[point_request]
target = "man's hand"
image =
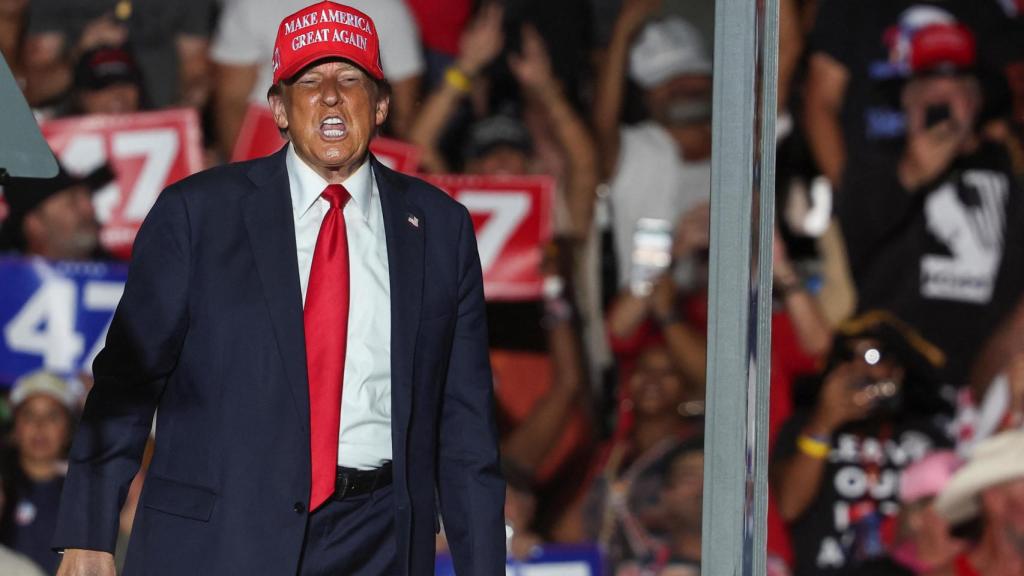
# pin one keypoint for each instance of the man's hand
(841, 400)
(533, 67)
(930, 150)
(929, 153)
(78, 562)
(482, 40)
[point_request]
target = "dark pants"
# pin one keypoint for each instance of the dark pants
(353, 537)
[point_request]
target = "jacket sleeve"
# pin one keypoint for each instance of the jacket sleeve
(140, 352)
(470, 485)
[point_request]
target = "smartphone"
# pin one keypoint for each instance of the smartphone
(651, 255)
(936, 114)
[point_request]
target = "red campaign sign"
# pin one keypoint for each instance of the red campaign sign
(512, 218)
(259, 137)
(395, 154)
(147, 151)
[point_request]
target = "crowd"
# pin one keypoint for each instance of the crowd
(897, 382)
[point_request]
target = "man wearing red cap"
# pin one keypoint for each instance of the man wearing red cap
(311, 327)
(933, 231)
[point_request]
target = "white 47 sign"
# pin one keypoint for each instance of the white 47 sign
(55, 316)
(146, 151)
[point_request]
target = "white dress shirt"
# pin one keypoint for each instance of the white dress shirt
(364, 440)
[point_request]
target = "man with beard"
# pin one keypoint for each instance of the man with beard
(661, 167)
(989, 490)
(53, 218)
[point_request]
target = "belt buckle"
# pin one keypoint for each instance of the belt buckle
(342, 487)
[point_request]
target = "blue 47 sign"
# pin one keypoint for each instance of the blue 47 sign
(55, 315)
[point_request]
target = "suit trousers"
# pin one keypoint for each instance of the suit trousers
(352, 537)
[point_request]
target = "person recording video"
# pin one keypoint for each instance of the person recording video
(930, 231)
(837, 461)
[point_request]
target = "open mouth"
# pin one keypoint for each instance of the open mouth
(333, 128)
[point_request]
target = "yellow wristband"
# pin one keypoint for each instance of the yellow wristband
(457, 79)
(813, 447)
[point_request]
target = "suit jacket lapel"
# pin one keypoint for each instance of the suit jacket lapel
(404, 227)
(271, 228)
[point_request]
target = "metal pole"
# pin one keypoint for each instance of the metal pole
(742, 217)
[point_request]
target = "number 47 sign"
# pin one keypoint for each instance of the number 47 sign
(55, 315)
(148, 151)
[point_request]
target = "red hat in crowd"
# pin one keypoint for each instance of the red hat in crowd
(942, 48)
(927, 40)
(326, 30)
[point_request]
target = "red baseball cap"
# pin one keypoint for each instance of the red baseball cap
(325, 30)
(942, 48)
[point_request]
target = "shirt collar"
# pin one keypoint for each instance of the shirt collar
(307, 185)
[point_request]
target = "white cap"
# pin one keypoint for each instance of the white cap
(994, 461)
(667, 48)
(42, 382)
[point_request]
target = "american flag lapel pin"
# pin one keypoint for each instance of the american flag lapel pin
(413, 221)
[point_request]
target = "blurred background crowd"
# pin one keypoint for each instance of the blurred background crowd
(897, 366)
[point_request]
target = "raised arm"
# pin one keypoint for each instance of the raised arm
(812, 328)
(193, 70)
(529, 444)
(232, 85)
(797, 476)
(611, 79)
(826, 90)
(533, 71)
(481, 42)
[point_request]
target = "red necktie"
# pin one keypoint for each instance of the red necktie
(325, 318)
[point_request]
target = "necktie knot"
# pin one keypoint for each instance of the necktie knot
(336, 195)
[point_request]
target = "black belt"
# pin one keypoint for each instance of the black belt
(351, 482)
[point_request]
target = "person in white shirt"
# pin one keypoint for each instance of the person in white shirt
(659, 168)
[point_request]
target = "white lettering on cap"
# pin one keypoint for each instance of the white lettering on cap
(345, 19)
(301, 22)
(351, 38)
(314, 37)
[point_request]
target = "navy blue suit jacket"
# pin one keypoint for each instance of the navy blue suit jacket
(209, 334)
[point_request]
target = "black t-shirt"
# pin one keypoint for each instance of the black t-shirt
(843, 527)
(883, 567)
(30, 518)
(946, 259)
(855, 33)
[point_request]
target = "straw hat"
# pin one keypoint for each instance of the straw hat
(997, 460)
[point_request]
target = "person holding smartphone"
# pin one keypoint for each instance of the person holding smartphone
(837, 461)
(933, 232)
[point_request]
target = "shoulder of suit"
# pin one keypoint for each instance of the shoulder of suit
(219, 180)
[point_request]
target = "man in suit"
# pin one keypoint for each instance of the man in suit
(310, 329)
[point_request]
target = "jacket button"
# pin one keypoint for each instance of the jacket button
(299, 508)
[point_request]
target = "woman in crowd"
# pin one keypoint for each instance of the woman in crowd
(623, 511)
(43, 415)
